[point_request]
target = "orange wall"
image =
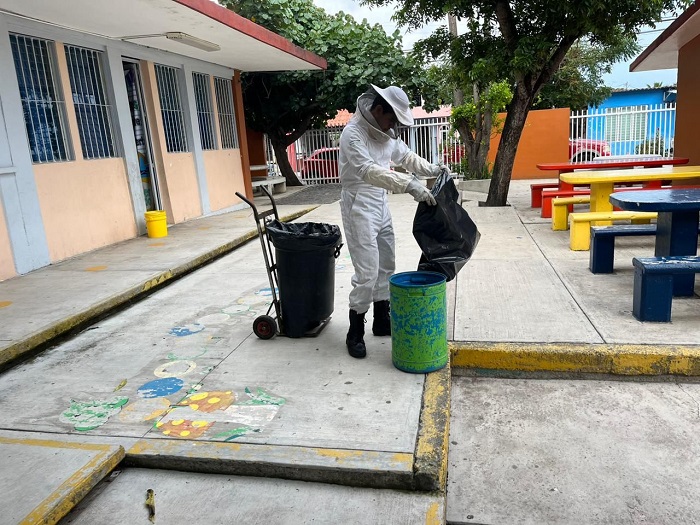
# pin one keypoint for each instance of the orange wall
(686, 143)
(7, 265)
(84, 204)
(224, 177)
(545, 138)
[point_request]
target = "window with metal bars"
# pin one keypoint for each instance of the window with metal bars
(42, 101)
(626, 123)
(171, 109)
(227, 117)
(205, 113)
(92, 109)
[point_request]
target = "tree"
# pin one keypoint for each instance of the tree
(285, 105)
(527, 41)
(578, 83)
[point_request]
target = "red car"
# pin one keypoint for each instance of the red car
(584, 150)
(321, 166)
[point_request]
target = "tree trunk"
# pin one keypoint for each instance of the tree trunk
(485, 138)
(512, 129)
(280, 149)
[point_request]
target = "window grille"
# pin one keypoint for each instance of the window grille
(171, 109)
(205, 113)
(42, 102)
(227, 117)
(625, 123)
(92, 109)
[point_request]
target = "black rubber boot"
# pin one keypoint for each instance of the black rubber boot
(355, 339)
(382, 319)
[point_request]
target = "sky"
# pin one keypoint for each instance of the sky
(620, 77)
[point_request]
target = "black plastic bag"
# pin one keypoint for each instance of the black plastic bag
(303, 236)
(445, 233)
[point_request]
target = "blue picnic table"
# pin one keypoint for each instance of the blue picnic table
(671, 272)
(676, 228)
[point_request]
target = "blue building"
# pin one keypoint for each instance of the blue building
(635, 121)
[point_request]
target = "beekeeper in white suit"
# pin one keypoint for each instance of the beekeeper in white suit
(367, 146)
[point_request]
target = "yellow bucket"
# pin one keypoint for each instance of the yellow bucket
(156, 224)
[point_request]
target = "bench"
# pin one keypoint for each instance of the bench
(561, 207)
(549, 196)
(536, 192)
(602, 257)
(653, 284)
(273, 184)
(580, 234)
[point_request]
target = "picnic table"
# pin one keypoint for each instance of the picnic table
(602, 182)
(676, 226)
(613, 163)
(609, 163)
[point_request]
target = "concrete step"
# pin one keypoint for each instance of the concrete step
(55, 475)
(186, 498)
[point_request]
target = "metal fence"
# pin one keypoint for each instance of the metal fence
(627, 131)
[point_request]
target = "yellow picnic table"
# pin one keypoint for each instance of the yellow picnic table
(602, 182)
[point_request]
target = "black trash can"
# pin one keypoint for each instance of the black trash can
(305, 255)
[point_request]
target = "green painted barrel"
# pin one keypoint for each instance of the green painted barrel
(418, 321)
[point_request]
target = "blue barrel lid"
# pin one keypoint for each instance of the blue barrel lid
(416, 279)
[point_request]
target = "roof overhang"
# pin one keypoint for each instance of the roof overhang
(242, 44)
(662, 53)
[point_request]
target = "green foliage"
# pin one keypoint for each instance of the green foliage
(462, 169)
(283, 105)
(524, 42)
(653, 145)
(494, 100)
(578, 83)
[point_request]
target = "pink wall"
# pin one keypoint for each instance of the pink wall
(84, 205)
(182, 202)
(177, 179)
(223, 168)
(224, 177)
(7, 265)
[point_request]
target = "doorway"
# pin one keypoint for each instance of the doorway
(142, 135)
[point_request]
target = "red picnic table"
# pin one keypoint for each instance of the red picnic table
(600, 163)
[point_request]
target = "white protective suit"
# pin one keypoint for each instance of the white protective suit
(363, 163)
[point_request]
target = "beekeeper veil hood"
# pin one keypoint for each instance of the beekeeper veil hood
(398, 100)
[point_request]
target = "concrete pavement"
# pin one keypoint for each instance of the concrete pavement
(301, 409)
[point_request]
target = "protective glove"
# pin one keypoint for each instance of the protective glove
(420, 193)
(445, 169)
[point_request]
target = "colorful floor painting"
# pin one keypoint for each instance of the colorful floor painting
(173, 402)
(246, 308)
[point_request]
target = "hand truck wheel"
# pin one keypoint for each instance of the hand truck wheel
(265, 327)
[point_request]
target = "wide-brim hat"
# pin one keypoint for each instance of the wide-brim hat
(398, 100)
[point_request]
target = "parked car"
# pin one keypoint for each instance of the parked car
(321, 166)
(584, 150)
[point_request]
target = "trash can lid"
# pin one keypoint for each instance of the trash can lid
(303, 236)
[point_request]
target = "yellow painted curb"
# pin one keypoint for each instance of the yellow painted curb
(430, 462)
(589, 358)
(70, 492)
